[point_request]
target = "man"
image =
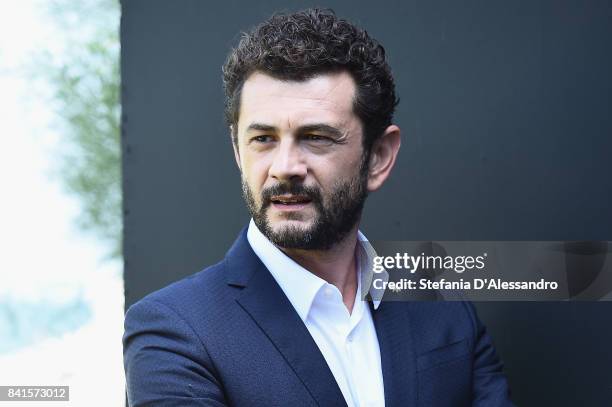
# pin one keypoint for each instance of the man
(280, 320)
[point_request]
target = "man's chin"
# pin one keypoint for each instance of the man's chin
(290, 234)
(290, 226)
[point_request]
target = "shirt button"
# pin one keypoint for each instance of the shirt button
(350, 338)
(328, 292)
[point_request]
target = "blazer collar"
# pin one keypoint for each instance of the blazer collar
(268, 306)
(241, 261)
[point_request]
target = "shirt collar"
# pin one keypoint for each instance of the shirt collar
(300, 285)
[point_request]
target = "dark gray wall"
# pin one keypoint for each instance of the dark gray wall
(505, 110)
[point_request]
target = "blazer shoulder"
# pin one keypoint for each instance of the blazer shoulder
(164, 345)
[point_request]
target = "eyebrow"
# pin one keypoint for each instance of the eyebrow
(260, 127)
(309, 128)
(321, 128)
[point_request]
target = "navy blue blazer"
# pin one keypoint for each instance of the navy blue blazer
(228, 335)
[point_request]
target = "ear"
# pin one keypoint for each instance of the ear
(234, 139)
(382, 157)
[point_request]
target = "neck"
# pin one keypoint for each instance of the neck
(337, 265)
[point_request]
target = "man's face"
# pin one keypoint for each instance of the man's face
(299, 148)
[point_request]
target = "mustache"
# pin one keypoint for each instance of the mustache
(293, 188)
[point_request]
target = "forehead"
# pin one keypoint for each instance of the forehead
(322, 98)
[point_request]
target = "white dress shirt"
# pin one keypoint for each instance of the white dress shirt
(347, 341)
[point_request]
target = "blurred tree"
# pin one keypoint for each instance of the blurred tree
(86, 93)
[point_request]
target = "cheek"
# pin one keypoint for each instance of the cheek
(339, 169)
(254, 171)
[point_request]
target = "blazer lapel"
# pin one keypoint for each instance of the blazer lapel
(263, 299)
(396, 353)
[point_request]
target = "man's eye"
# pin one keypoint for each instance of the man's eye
(315, 137)
(262, 139)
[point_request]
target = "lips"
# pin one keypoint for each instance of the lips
(290, 199)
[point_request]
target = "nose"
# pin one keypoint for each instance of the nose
(288, 162)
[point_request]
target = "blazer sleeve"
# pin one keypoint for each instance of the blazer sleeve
(489, 384)
(165, 361)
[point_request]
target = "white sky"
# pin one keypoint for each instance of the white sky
(40, 248)
(42, 253)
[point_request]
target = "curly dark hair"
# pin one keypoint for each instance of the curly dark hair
(301, 45)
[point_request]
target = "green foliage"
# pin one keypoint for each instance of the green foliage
(86, 92)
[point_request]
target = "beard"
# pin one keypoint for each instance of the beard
(335, 214)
